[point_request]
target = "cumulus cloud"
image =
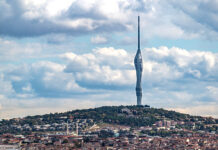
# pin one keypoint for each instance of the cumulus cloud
(10, 50)
(29, 18)
(203, 13)
(196, 64)
(102, 68)
(109, 68)
(45, 79)
(165, 69)
(50, 62)
(19, 51)
(172, 77)
(98, 39)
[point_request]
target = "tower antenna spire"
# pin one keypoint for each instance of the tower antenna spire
(138, 32)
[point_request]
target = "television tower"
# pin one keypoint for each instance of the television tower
(139, 68)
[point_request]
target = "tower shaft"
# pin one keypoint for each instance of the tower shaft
(139, 68)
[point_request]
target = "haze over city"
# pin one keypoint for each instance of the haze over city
(57, 55)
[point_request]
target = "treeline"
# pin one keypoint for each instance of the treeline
(134, 116)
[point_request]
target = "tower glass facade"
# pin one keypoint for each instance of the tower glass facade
(139, 68)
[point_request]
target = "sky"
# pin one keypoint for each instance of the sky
(57, 55)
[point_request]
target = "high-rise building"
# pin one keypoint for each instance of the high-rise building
(139, 68)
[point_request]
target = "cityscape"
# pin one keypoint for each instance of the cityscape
(108, 75)
(122, 127)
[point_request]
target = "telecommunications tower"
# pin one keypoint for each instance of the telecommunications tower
(139, 68)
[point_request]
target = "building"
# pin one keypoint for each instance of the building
(9, 147)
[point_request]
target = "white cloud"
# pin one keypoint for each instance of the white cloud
(198, 64)
(111, 52)
(14, 51)
(52, 78)
(98, 39)
(209, 110)
(32, 69)
(109, 68)
(213, 91)
(5, 86)
(27, 88)
(172, 78)
(103, 67)
(30, 18)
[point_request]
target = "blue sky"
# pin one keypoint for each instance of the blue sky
(58, 55)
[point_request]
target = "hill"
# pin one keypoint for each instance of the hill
(134, 116)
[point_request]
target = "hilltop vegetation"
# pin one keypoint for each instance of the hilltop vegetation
(134, 116)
